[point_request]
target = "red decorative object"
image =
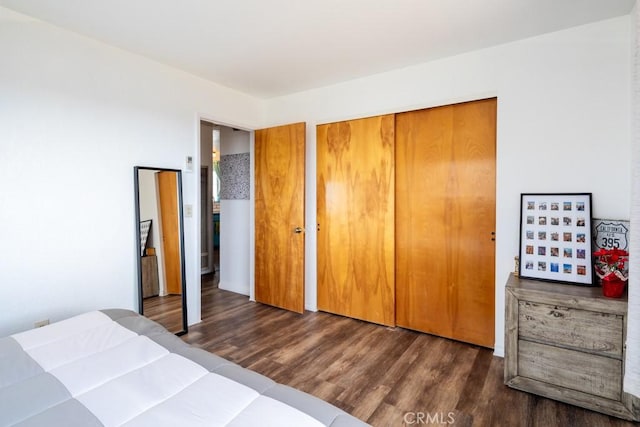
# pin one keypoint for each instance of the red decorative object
(612, 286)
(611, 267)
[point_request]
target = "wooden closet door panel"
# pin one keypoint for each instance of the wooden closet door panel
(279, 210)
(170, 222)
(445, 216)
(355, 202)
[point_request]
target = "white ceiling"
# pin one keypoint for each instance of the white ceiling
(268, 48)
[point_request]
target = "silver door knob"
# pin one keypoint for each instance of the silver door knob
(298, 230)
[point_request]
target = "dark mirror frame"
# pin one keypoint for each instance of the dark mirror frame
(136, 184)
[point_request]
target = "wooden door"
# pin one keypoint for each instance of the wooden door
(170, 226)
(355, 202)
(279, 216)
(445, 217)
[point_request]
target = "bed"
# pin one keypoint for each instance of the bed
(117, 368)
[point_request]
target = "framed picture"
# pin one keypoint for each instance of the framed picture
(555, 237)
(145, 228)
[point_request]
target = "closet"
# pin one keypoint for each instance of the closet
(406, 220)
(355, 195)
(445, 220)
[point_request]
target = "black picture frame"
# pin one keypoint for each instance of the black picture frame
(555, 238)
(145, 229)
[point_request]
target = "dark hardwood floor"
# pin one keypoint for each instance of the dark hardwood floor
(165, 310)
(385, 376)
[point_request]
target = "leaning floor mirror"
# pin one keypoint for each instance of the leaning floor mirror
(160, 241)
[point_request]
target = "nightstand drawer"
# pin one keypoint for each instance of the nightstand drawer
(588, 373)
(596, 332)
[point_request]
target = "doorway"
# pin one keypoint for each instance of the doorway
(224, 206)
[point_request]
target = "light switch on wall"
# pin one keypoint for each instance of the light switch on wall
(188, 163)
(188, 211)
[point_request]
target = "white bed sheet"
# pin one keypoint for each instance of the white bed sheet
(124, 378)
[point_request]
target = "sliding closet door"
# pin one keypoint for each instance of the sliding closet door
(279, 216)
(445, 219)
(355, 202)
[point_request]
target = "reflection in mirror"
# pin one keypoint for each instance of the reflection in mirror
(160, 254)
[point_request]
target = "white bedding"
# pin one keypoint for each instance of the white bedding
(124, 378)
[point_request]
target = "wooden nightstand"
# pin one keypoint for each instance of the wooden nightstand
(150, 283)
(567, 342)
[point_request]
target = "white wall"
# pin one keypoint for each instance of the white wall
(235, 224)
(75, 117)
(563, 123)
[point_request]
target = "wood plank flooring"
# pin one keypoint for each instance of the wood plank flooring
(166, 310)
(385, 376)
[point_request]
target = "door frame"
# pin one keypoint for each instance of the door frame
(195, 309)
